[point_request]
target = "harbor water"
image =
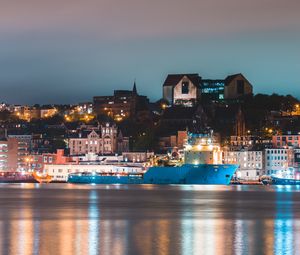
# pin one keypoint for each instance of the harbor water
(149, 219)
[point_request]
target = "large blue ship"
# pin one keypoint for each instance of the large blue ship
(202, 164)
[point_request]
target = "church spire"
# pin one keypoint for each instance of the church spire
(134, 91)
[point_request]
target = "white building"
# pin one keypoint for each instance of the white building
(182, 89)
(250, 163)
(278, 161)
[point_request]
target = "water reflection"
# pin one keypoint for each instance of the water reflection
(283, 226)
(58, 219)
(93, 223)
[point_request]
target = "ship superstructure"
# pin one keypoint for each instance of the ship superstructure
(202, 149)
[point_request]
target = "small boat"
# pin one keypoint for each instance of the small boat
(281, 181)
(16, 177)
(41, 177)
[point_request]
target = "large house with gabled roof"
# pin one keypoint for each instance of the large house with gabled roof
(188, 89)
(182, 89)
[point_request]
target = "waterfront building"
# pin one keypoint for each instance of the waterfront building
(37, 162)
(297, 160)
(3, 154)
(278, 161)
(14, 150)
(251, 163)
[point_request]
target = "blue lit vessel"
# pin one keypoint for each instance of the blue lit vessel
(281, 181)
(202, 165)
(104, 178)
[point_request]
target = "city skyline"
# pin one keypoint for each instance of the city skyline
(54, 52)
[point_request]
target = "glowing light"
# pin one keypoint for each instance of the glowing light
(188, 147)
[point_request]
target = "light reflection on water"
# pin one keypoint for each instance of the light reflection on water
(116, 219)
(93, 222)
(283, 226)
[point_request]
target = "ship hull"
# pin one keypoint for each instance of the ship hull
(186, 174)
(106, 179)
(191, 174)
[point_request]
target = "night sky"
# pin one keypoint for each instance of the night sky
(64, 51)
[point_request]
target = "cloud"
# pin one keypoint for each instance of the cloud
(145, 19)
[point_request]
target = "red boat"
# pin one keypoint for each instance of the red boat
(16, 177)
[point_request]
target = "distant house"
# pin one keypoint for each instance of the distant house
(237, 86)
(182, 89)
(188, 89)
